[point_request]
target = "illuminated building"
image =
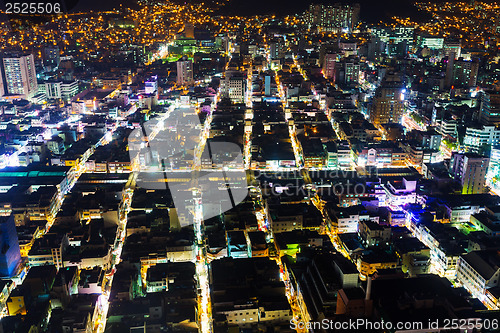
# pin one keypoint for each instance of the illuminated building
(478, 137)
(329, 66)
(110, 82)
(490, 108)
(452, 49)
(51, 57)
(349, 73)
(59, 89)
(384, 154)
(245, 292)
(479, 271)
(371, 261)
(431, 42)
(414, 256)
(389, 101)
(395, 40)
(48, 250)
(461, 73)
(394, 35)
(488, 221)
(314, 153)
(16, 303)
(448, 127)
(332, 156)
(19, 76)
(332, 18)
(237, 244)
(267, 88)
(494, 169)
(400, 193)
(346, 218)
(184, 72)
(374, 234)
(430, 139)
(277, 49)
(234, 86)
(10, 257)
(470, 170)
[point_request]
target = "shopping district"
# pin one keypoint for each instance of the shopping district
(368, 155)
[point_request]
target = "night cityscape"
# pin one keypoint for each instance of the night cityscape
(249, 166)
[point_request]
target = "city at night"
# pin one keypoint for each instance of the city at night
(231, 166)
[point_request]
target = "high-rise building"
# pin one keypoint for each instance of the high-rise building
(234, 86)
(329, 66)
(10, 256)
(452, 49)
(461, 73)
(51, 57)
(277, 49)
(184, 72)
(494, 168)
(351, 70)
(389, 101)
(267, 85)
(490, 108)
(375, 48)
(19, 75)
(1, 83)
(470, 170)
(151, 85)
(332, 18)
(395, 41)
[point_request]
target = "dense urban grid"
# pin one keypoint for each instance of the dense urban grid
(368, 156)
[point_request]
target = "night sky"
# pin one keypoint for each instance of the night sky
(372, 11)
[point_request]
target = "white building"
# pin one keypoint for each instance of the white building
(479, 271)
(20, 75)
(400, 193)
(184, 72)
(448, 127)
(470, 169)
(59, 89)
(477, 137)
(234, 86)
